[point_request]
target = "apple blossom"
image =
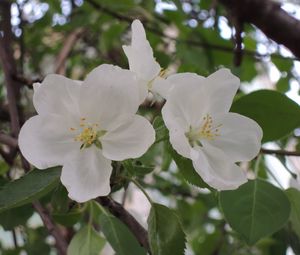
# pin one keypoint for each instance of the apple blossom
(83, 126)
(142, 62)
(202, 128)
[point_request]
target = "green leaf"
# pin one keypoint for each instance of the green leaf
(187, 170)
(70, 218)
(274, 112)
(117, 234)
(86, 241)
(255, 210)
(165, 231)
(28, 188)
(15, 217)
(294, 197)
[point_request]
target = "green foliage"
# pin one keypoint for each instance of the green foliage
(187, 170)
(294, 197)
(270, 110)
(14, 217)
(86, 241)
(255, 210)
(117, 234)
(166, 236)
(28, 188)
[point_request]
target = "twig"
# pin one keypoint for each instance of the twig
(66, 50)
(13, 92)
(60, 242)
(201, 44)
(119, 211)
(15, 238)
(269, 17)
(280, 152)
(9, 67)
(26, 81)
(8, 140)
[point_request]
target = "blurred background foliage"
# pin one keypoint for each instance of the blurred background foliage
(71, 37)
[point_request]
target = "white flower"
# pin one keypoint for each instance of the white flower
(83, 126)
(141, 61)
(202, 128)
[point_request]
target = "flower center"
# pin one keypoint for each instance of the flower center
(207, 130)
(90, 134)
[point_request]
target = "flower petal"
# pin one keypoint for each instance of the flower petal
(86, 174)
(216, 169)
(161, 86)
(220, 88)
(130, 140)
(108, 92)
(140, 54)
(56, 94)
(184, 101)
(46, 141)
(240, 137)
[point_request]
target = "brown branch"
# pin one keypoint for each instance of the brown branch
(13, 92)
(26, 81)
(189, 42)
(118, 211)
(9, 67)
(280, 152)
(8, 140)
(61, 243)
(267, 15)
(69, 43)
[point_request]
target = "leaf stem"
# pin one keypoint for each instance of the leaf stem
(256, 167)
(143, 190)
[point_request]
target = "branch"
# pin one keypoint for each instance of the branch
(60, 242)
(270, 18)
(118, 210)
(9, 67)
(66, 50)
(280, 152)
(8, 140)
(200, 44)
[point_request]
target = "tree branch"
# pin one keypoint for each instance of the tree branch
(280, 152)
(9, 67)
(268, 16)
(66, 50)
(60, 242)
(8, 140)
(200, 44)
(118, 210)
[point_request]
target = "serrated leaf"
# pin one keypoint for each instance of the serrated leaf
(28, 188)
(255, 210)
(294, 197)
(117, 234)
(165, 231)
(86, 242)
(274, 112)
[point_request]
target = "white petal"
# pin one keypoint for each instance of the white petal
(46, 141)
(240, 137)
(56, 94)
(108, 92)
(216, 169)
(185, 100)
(161, 86)
(140, 54)
(220, 88)
(86, 174)
(130, 140)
